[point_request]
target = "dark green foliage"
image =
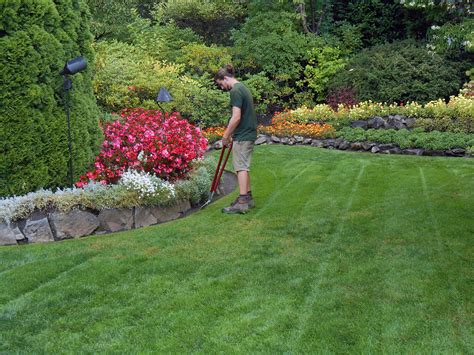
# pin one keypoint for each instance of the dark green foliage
(212, 19)
(271, 42)
(263, 91)
(162, 41)
(409, 139)
(381, 21)
(110, 17)
(399, 72)
(38, 37)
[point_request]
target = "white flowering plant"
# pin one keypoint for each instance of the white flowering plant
(147, 186)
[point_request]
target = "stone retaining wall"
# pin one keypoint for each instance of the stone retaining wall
(48, 227)
(342, 144)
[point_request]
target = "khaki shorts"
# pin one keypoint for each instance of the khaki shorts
(242, 155)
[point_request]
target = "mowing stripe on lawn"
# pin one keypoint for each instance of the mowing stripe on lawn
(461, 307)
(309, 302)
(9, 309)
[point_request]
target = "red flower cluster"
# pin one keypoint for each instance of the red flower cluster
(144, 140)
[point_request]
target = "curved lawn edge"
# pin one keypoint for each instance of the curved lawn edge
(56, 226)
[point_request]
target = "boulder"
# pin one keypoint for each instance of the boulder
(456, 152)
(375, 149)
(356, 146)
(261, 140)
(299, 139)
(9, 234)
(37, 229)
(378, 122)
(275, 139)
(432, 153)
(329, 143)
(395, 150)
(284, 140)
(413, 151)
(344, 145)
(76, 223)
(367, 145)
(386, 146)
(116, 219)
(165, 214)
(217, 145)
(144, 217)
(307, 141)
(359, 124)
(291, 141)
(317, 143)
(395, 122)
(409, 122)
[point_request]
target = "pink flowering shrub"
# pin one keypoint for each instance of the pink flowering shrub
(146, 141)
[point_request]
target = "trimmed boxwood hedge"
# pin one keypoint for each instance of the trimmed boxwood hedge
(37, 37)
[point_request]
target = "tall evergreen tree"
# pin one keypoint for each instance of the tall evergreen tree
(37, 37)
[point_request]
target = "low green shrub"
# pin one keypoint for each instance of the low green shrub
(409, 139)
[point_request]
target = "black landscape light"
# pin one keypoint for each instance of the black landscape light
(163, 96)
(72, 67)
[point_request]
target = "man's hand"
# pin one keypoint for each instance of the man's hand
(226, 141)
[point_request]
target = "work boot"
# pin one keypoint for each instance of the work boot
(240, 205)
(251, 202)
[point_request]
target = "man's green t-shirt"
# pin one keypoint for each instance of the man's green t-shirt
(241, 97)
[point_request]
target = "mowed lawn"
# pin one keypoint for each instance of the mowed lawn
(344, 252)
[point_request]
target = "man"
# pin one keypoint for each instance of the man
(241, 132)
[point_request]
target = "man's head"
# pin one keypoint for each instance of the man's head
(224, 78)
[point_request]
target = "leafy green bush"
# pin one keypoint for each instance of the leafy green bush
(162, 41)
(212, 19)
(36, 40)
(263, 91)
(271, 42)
(399, 72)
(380, 21)
(127, 76)
(200, 59)
(110, 17)
(409, 139)
(323, 63)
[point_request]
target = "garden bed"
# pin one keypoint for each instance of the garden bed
(367, 146)
(54, 225)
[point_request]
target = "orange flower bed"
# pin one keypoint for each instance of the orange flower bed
(213, 134)
(284, 129)
(280, 129)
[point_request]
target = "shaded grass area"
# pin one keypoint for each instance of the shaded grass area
(345, 252)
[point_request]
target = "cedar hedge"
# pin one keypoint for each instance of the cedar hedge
(37, 37)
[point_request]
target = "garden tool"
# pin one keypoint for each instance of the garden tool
(218, 174)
